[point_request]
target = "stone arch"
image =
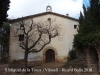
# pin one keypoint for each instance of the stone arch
(44, 54)
(98, 52)
(93, 54)
(92, 58)
(50, 56)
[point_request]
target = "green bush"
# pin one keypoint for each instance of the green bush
(72, 54)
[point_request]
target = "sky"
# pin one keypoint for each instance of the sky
(19, 8)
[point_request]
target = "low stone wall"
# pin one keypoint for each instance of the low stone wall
(80, 62)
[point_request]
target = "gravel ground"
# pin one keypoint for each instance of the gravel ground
(44, 69)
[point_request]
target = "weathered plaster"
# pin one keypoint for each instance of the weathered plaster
(61, 45)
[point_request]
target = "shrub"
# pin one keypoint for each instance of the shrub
(72, 55)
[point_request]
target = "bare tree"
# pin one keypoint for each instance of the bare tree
(34, 37)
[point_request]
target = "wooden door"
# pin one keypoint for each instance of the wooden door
(50, 56)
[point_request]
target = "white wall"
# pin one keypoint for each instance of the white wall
(62, 44)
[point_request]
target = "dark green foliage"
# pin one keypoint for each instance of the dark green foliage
(89, 26)
(72, 55)
(4, 34)
(4, 7)
(4, 41)
(4, 28)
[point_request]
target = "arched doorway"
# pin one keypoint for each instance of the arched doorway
(94, 56)
(50, 56)
(94, 60)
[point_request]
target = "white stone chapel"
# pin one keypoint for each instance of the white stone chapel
(58, 48)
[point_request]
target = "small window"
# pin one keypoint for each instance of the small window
(75, 26)
(49, 19)
(21, 26)
(21, 37)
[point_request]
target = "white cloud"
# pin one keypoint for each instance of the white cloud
(69, 6)
(21, 8)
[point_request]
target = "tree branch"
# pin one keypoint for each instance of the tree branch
(30, 26)
(22, 23)
(35, 42)
(22, 46)
(35, 50)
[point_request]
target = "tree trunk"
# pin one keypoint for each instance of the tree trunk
(25, 58)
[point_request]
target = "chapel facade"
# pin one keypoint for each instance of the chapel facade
(57, 50)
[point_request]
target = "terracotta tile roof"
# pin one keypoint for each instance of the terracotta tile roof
(40, 14)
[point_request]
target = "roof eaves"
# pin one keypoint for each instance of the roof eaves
(40, 14)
